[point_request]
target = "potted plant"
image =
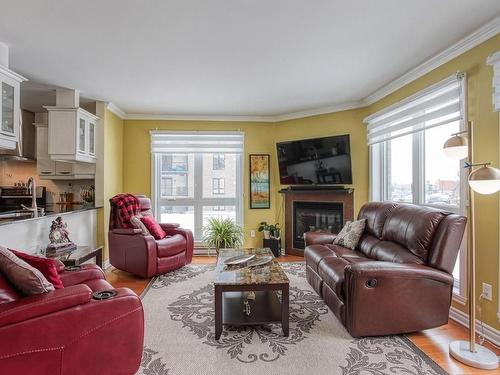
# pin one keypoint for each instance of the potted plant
(266, 228)
(275, 231)
(220, 233)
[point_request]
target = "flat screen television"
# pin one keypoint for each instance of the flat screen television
(316, 161)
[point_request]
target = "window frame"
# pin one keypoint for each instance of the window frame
(197, 201)
(378, 189)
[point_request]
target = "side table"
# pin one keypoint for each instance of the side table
(81, 255)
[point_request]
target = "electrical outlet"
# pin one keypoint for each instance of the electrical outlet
(487, 292)
(252, 233)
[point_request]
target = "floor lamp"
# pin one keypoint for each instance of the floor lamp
(483, 179)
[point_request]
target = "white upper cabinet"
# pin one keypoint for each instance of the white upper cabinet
(49, 169)
(72, 130)
(9, 108)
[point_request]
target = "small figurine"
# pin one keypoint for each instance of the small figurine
(59, 238)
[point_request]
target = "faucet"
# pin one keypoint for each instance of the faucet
(32, 187)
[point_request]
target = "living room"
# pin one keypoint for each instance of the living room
(286, 125)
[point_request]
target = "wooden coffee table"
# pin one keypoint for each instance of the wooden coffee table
(231, 283)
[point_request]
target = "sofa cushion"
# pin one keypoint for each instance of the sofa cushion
(366, 244)
(315, 253)
(27, 279)
(351, 256)
(48, 267)
(387, 251)
(413, 227)
(376, 214)
(331, 270)
(153, 227)
(350, 234)
(169, 246)
(7, 291)
(138, 224)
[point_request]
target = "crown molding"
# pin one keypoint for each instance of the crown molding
(12, 74)
(318, 111)
(242, 118)
(116, 110)
(479, 36)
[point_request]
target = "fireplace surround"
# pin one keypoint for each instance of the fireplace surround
(314, 210)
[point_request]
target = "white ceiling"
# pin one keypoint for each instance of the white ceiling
(230, 57)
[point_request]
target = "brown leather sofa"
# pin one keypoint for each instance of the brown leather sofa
(398, 279)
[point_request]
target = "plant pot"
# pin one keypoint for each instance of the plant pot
(267, 234)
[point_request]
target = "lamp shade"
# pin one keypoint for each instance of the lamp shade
(456, 147)
(485, 180)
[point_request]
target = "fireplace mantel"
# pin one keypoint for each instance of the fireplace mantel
(310, 194)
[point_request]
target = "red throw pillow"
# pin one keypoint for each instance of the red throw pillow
(154, 228)
(48, 267)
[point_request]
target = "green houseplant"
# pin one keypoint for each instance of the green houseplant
(270, 230)
(220, 233)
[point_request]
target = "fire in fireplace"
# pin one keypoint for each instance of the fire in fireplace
(315, 217)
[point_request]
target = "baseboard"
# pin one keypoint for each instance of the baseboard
(106, 264)
(491, 334)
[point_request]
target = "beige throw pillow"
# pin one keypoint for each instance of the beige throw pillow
(27, 279)
(138, 224)
(350, 234)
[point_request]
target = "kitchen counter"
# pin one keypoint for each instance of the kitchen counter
(51, 210)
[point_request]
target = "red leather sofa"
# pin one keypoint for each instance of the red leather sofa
(67, 331)
(144, 256)
(398, 279)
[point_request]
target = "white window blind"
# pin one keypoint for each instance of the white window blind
(495, 61)
(437, 105)
(197, 142)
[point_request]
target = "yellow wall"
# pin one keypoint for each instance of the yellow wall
(486, 144)
(137, 159)
(113, 172)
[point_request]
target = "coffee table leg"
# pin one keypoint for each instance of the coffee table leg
(285, 312)
(218, 311)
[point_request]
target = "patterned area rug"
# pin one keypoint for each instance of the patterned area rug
(179, 337)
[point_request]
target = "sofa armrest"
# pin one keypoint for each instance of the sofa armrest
(126, 231)
(85, 273)
(385, 298)
(377, 269)
(318, 238)
(42, 304)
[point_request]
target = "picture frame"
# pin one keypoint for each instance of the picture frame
(260, 181)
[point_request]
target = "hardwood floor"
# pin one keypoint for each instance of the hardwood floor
(433, 342)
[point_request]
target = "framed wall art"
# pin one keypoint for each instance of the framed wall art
(260, 182)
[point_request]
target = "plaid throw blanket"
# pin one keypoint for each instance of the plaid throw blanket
(126, 206)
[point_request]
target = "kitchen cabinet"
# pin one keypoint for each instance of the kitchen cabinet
(49, 169)
(10, 112)
(71, 135)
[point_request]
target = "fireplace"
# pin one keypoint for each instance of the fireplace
(315, 216)
(311, 208)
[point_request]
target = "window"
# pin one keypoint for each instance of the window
(219, 162)
(218, 186)
(407, 162)
(187, 188)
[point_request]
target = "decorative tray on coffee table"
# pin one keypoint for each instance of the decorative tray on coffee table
(239, 259)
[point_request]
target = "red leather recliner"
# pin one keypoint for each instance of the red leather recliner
(144, 256)
(67, 331)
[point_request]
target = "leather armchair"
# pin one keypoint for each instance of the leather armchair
(67, 331)
(144, 256)
(398, 279)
